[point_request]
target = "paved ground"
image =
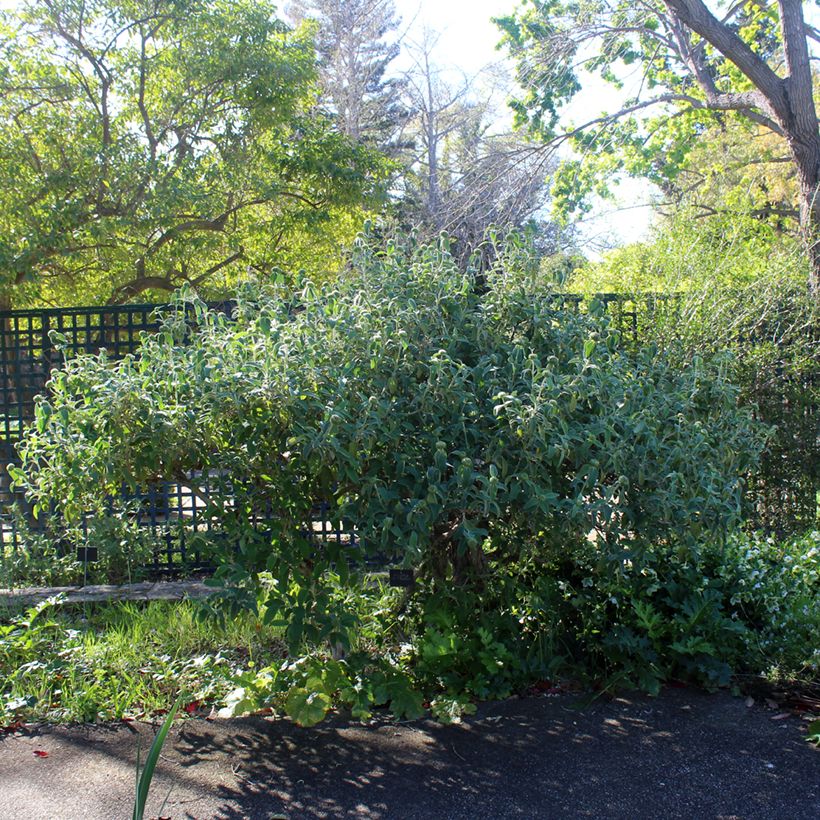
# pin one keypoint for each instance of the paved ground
(685, 754)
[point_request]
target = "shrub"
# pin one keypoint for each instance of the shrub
(749, 604)
(478, 433)
(704, 285)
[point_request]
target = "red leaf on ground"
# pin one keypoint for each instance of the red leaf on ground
(191, 707)
(40, 753)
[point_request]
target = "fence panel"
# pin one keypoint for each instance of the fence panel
(784, 496)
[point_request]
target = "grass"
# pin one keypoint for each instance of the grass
(123, 660)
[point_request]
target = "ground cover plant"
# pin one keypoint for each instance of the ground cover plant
(750, 606)
(565, 500)
(121, 661)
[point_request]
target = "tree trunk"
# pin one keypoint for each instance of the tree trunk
(807, 161)
(800, 127)
(788, 101)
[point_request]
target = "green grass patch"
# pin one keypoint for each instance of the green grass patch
(122, 660)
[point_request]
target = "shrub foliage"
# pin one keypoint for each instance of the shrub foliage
(480, 431)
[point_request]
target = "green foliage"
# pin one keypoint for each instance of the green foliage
(774, 586)
(145, 776)
(747, 605)
(47, 557)
(121, 660)
(481, 435)
(734, 282)
(689, 253)
(655, 128)
(307, 688)
(144, 145)
(429, 414)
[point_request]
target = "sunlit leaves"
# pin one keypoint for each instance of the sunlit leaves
(146, 145)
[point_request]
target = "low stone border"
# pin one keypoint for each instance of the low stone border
(146, 591)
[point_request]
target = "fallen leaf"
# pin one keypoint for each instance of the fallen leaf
(40, 753)
(782, 716)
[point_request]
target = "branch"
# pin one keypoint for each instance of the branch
(724, 102)
(696, 16)
(812, 33)
(799, 82)
(216, 223)
(98, 67)
(198, 280)
(146, 120)
(139, 285)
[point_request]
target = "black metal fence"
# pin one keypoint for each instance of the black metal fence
(169, 515)
(172, 514)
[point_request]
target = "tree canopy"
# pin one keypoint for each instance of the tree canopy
(148, 144)
(697, 64)
(355, 46)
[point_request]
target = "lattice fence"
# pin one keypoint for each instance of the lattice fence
(171, 514)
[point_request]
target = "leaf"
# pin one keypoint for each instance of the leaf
(407, 703)
(144, 778)
(307, 708)
(40, 753)
(813, 735)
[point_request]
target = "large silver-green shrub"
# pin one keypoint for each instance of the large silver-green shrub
(461, 426)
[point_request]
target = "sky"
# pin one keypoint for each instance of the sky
(467, 39)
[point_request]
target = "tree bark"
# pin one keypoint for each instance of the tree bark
(789, 101)
(801, 130)
(806, 155)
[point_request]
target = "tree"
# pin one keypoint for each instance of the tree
(354, 54)
(749, 60)
(464, 178)
(439, 110)
(148, 144)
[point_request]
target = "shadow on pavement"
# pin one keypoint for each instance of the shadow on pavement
(685, 754)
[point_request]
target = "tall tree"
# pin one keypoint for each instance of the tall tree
(440, 109)
(149, 143)
(745, 59)
(464, 177)
(355, 43)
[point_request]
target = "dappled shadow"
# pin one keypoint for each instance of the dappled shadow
(520, 758)
(685, 754)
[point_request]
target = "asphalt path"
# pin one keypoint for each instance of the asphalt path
(684, 754)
